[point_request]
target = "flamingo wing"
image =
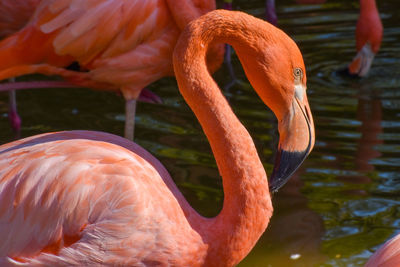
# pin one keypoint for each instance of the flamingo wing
(66, 198)
(89, 29)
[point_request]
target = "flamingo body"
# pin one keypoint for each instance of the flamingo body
(120, 45)
(15, 15)
(78, 186)
(87, 198)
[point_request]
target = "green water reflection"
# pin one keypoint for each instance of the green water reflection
(342, 203)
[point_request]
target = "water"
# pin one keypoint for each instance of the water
(342, 203)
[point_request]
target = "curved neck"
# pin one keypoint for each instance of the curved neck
(247, 205)
(369, 26)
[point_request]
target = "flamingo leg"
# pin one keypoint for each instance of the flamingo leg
(130, 110)
(228, 61)
(270, 13)
(145, 96)
(228, 52)
(148, 96)
(14, 118)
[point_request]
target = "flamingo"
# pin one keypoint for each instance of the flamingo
(15, 15)
(369, 33)
(92, 198)
(116, 45)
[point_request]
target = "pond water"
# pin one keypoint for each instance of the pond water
(344, 200)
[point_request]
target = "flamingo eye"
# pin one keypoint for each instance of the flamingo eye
(298, 73)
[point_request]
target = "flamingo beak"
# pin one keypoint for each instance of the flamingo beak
(295, 143)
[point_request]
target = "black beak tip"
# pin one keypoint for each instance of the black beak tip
(286, 163)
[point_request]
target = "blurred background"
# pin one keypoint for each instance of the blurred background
(344, 200)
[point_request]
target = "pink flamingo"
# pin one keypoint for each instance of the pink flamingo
(15, 15)
(369, 33)
(90, 198)
(119, 45)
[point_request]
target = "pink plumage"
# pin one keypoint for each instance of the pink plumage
(79, 186)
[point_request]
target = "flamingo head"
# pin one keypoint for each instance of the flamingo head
(276, 71)
(296, 130)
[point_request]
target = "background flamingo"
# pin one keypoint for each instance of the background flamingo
(15, 15)
(94, 198)
(115, 45)
(369, 33)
